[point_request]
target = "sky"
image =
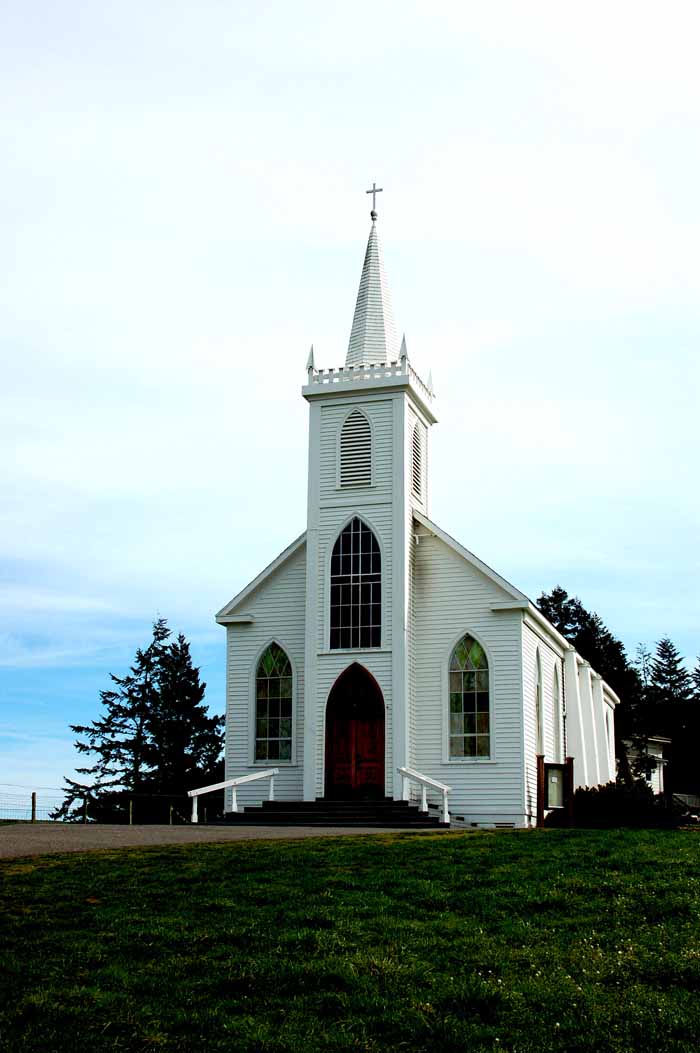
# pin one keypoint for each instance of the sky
(183, 214)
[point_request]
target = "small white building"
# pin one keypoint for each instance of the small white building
(377, 642)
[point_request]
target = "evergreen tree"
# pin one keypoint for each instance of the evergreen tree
(184, 743)
(677, 714)
(153, 737)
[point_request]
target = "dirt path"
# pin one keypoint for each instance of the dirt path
(27, 839)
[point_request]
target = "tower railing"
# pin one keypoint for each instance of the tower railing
(375, 371)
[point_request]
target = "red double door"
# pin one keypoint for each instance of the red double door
(355, 737)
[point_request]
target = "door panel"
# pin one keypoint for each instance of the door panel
(355, 736)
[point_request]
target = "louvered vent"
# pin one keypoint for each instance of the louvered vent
(417, 461)
(356, 451)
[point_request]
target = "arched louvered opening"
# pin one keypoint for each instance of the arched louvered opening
(417, 465)
(556, 717)
(538, 704)
(356, 451)
(356, 588)
(273, 705)
(470, 720)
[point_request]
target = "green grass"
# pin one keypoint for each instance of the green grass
(563, 940)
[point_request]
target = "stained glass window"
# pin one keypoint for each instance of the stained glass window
(273, 706)
(356, 588)
(470, 731)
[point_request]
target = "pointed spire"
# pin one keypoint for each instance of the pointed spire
(431, 389)
(403, 355)
(373, 336)
(310, 360)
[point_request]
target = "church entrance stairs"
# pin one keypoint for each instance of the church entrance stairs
(385, 813)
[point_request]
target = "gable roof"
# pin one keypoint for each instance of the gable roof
(225, 615)
(520, 597)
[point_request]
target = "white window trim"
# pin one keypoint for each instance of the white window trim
(445, 694)
(326, 646)
(372, 484)
(252, 708)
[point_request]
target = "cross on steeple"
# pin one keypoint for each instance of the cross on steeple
(374, 191)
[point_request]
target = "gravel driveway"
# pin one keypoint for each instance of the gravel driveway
(35, 839)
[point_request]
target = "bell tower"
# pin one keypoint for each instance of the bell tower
(368, 469)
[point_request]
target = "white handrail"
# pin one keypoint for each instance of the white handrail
(269, 773)
(426, 783)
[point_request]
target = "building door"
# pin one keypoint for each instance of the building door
(355, 737)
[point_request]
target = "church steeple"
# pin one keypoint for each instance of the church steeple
(373, 335)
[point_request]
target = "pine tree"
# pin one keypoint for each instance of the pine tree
(184, 741)
(670, 680)
(676, 715)
(154, 736)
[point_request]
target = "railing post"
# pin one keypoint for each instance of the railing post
(445, 809)
(195, 818)
(234, 799)
(272, 787)
(424, 799)
(33, 806)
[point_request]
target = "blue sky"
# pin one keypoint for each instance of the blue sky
(183, 214)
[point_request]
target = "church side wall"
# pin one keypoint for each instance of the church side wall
(549, 658)
(451, 599)
(278, 607)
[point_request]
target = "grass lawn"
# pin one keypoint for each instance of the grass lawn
(562, 940)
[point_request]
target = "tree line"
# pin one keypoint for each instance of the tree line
(659, 695)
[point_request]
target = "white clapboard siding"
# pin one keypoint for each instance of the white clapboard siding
(333, 416)
(452, 598)
(532, 644)
(278, 610)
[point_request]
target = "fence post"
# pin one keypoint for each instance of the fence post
(33, 806)
(84, 809)
(171, 815)
(131, 811)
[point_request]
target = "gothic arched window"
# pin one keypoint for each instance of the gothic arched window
(470, 730)
(273, 705)
(538, 703)
(556, 716)
(356, 588)
(417, 465)
(356, 451)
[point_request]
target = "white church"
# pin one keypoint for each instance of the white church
(377, 658)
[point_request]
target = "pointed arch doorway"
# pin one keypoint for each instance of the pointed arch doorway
(355, 737)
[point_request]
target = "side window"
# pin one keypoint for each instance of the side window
(556, 716)
(356, 588)
(273, 705)
(470, 721)
(356, 451)
(538, 703)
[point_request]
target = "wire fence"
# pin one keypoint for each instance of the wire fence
(24, 804)
(37, 804)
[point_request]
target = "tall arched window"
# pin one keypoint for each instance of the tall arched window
(556, 716)
(356, 588)
(470, 731)
(417, 465)
(356, 451)
(538, 703)
(273, 705)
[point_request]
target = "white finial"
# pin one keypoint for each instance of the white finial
(404, 352)
(310, 360)
(430, 382)
(374, 191)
